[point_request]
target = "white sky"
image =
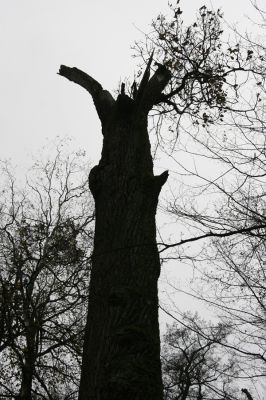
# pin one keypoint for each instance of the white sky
(36, 36)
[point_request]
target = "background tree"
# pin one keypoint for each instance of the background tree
(45, 240)
(194, 366)
(225, 207)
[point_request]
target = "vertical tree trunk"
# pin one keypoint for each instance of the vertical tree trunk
(28, 365)
(121, 355)
(26, 383)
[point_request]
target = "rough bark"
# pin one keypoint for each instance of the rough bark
(26, 383)
(28, 365)
(121, 355)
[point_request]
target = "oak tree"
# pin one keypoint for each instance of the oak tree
(189, 72)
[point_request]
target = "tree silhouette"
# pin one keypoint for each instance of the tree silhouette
(193, 365)
(45, 234)
(194, 75)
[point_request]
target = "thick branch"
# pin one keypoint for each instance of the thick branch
(154, 87)
(82, 79)
(145, 78)
(213, 234)
(102, 99)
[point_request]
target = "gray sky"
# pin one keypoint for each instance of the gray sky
(36, 36)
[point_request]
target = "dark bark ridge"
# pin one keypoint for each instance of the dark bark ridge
(28, 364)
(121, 355)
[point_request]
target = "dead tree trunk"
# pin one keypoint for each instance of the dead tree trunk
(121, 355)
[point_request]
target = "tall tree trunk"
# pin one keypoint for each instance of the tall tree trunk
(121, 355)
(28, 364)
(26, 383)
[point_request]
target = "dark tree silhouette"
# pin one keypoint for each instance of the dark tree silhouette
(45, 231)
(193, 365)
(231, 258)
(121, 356)
(122, 349)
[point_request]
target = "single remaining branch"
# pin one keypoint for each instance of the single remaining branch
(82, 79)
(102, 99)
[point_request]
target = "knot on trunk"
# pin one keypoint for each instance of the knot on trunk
(154, 184)
(161, 179)
(95, 181)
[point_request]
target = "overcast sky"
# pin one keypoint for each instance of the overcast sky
(36, 36)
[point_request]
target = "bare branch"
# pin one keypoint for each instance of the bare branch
(212, 234)
(102, 99)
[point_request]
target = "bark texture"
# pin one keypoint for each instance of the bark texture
(28, 365)
(121, 355)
